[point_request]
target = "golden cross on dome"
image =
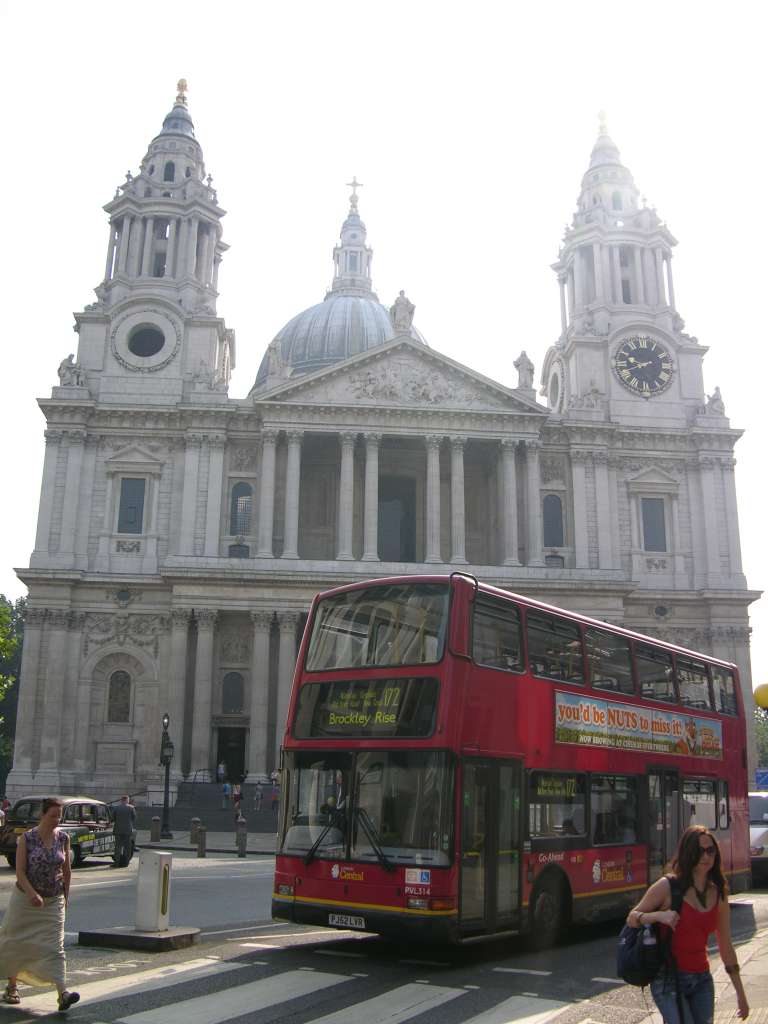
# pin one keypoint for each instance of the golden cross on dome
(181, 85)
(354, 185)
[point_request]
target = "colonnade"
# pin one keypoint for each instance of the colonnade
(189, 247)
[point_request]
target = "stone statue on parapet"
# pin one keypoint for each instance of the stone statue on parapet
(71, 374)
(524, 368)
(401, 313)
(715, 405)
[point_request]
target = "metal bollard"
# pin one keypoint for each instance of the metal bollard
(154, 830)
(242, 837)
(201, 833)
(194, 825)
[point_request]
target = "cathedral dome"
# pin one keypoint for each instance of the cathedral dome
(350, 320)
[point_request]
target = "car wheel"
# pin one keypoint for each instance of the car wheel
(548, 915)
(11, 858)
(76, 857)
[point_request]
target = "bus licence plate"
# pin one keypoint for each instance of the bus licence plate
(346, 921)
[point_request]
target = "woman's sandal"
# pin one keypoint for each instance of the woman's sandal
(11, 995)
(67, 999)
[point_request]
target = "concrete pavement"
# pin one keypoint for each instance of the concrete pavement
(215, 842)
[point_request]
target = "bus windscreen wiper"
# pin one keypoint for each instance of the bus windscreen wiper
(373, 838)
(337, 820)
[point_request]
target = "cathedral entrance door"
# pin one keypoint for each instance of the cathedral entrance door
(397, 519)
(231, 750)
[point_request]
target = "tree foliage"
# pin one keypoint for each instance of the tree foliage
(761, 735)
(11, 634)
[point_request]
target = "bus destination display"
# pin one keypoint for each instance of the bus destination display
(367, 708)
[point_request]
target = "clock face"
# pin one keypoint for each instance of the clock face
(643, 365)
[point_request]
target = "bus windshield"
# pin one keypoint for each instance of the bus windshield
(390, 624)
(385, 806)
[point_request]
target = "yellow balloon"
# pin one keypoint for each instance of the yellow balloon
(761, 696)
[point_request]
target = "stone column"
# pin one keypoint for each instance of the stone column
(346, 484)
(146, 255)
(433, 442)
(216, 265)
(292, 490)
(110, 252)
(571, 294)
(638, 267)
(534, 545)
(71, 752)
(52, 445)
(579, 485)
(177, 680)
(267, 494)
(616, 265)
(189, 494)
(181, 249)
(670, 286)
(170, 253)
(371, 501)
(216, 445)
(258, 739)
(192, 247)
(82, 527)
(458, 513)
(286, 664)
(125, 236)
(597, 258)
(605, 554)
(649, 274)
(70, 510)
(50, 747)
(201, 712)
(578, 278)
(709, 510)
(728, 467)
(658, 257)
(509, 471)
(562, 280)
(25, 713)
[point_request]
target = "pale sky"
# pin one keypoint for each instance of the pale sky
(470, 126)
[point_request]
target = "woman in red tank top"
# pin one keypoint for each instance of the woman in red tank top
(690, 989)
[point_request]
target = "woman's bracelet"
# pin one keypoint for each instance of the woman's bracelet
(732, 969)
(639, 916)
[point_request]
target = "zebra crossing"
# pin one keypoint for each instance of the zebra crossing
(294, 992)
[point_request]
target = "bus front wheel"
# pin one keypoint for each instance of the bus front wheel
(548, 914)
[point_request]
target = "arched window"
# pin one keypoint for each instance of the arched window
(553, 522)
(240, 509)
(169, 172)
(232, 694)
(119, 697)
(616, 200)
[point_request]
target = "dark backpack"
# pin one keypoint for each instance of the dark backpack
(638, 963)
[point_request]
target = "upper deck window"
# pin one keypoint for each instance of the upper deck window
(724, 687)
(693, 683)
(554, 648)
(609, 660)
(496, 639)
(393, 624)
(654, 670)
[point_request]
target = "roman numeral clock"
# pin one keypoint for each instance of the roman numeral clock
(643, 365)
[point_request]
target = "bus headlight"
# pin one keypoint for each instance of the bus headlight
(417, 903)
(285, 890)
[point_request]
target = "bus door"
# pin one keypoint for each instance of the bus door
(490, 845)
(664, 819)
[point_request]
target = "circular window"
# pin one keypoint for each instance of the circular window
(146, 341)
(661, 611)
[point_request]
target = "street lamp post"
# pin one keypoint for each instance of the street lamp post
(166, 756)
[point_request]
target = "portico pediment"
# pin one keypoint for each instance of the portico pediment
(133, 458)
(652, 480)
(400, 373)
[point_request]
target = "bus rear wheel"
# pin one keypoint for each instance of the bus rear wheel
(548, 914)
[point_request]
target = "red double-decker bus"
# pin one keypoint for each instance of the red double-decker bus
(461, 762)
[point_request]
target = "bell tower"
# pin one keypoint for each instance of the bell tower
(153, 331)
(622, 350)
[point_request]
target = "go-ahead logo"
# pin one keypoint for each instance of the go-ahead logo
(335, 870)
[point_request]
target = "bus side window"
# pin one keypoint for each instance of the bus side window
(554, 648)
(699, 804)
(724, 690)
(723, 811)
(693, 683)
(609, 660)
(614, 805)
(496, 635)
(654, 672)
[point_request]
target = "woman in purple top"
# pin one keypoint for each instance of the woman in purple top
(32, 933)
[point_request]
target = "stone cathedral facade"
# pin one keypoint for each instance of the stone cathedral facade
(182, 531)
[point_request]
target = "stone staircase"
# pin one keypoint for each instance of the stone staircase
(204, 800)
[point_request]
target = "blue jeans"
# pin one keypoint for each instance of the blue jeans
(697, 993)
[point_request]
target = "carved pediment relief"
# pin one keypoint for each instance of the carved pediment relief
(133, 458)
(403, 376)
(653, 481)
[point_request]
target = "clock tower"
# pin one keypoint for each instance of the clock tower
(622, 351)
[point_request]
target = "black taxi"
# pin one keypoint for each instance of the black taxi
(88, 822)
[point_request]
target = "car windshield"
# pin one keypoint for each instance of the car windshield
(393, 624)
(758, 809)
(393, 807)
(26, 809)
